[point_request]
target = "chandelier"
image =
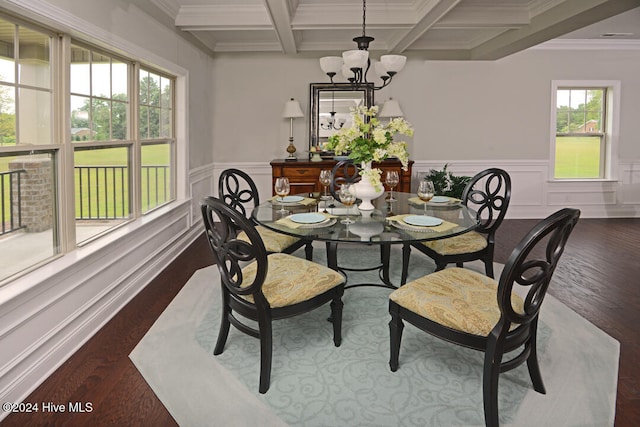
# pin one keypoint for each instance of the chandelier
(354, 64)
(331, 123)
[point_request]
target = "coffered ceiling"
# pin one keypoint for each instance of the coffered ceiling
(435, 29)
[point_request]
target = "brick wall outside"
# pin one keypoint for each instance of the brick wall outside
(36, 192)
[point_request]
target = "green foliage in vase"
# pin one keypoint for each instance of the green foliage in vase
(447, 184)
(370, 140)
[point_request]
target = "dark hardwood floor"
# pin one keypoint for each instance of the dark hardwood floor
(598, 278)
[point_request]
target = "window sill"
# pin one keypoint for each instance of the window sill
(75, 259)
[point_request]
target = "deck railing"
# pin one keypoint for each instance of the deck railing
(10, 201)
(102, 192)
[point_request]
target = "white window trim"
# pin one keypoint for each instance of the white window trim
(48, 14)
(45, 15)
(612, 129)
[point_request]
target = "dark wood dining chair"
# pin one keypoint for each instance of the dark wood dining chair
(238, 190)
(343, 172)
(488, 193)
(475, 311)
(263, 287)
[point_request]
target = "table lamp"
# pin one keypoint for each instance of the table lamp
(292, 111)
(391, 109)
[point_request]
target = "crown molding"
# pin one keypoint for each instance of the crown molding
(589, 44)
(169, 7)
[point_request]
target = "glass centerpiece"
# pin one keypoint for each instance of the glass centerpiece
(368, 140)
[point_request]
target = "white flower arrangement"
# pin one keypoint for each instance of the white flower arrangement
(369, 140)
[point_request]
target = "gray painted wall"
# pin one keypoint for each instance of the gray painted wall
(460, 110)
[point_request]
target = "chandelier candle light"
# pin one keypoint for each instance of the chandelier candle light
(367, 141)
(292, 111)
(354, 64)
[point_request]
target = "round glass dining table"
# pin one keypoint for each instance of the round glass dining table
(401, 221)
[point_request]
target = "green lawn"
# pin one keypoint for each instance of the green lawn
(153, 186)
(577, 157)
(152, 155)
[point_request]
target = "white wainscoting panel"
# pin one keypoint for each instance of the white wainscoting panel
(533, 195)
(202, 184)
(46, 315)
(630, 183)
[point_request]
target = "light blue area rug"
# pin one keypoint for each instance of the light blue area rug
(314, 383)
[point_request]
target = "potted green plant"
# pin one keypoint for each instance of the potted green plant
(447, 184)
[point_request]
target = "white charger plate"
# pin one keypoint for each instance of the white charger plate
(440, 199)
(287, 200)
(422, 220)
(307, 218)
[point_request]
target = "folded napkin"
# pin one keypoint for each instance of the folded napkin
(445, 226)
(292, 224)
(417, 201)
(307, 201)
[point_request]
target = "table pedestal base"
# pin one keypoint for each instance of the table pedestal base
(383, 267)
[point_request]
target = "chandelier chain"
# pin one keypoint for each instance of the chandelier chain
(364, 17)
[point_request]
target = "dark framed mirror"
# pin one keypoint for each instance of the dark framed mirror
(330, 108)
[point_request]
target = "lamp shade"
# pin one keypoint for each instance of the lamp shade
(355, 58)
(391, 108)
(379, 68)
(331, 64)
(393, 63)
(292, 109)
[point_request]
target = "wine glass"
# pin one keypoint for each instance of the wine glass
(282, 189)
(391, 179)
(348, 199)
(426, 190)
(325, 180)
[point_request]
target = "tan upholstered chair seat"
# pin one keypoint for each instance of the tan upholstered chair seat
(457, 298)
(291, 280)
(273, 241)
(462, 244)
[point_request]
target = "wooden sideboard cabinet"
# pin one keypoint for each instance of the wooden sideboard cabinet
(303, 174)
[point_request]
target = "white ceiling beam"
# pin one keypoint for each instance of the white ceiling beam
(554, 22)
(248, 47)
(486, 16)
(281, 18)
(329, 16)
(428, 17)
(223, 17)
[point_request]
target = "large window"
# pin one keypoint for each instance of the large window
(28, 154)
(99, 114)
(106, 160)
(583, 141)
(156, 134)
